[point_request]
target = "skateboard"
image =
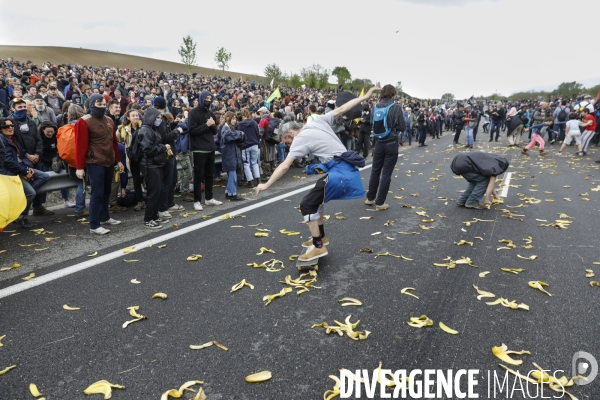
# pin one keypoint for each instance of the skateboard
(307, 265)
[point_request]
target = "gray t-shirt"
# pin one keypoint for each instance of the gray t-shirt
(318, 139)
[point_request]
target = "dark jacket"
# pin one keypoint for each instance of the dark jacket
(61, 101)
(231, 155)
(516, 120)
(154, 153)
(13, 163)
(485, 164)
(501, 114)
(250, 129)
(201, 135)
(30, 141)
(2, 154)
(168, 134)
(459, 118)
(50, 151)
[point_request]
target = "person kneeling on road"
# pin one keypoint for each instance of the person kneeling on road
(480, 170)
(342, 181)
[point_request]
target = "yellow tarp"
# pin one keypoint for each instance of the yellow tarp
(12, 199)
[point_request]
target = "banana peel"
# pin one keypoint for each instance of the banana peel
(508, 304)
(331, 393)
(160, 296)
(177, 393)
(263, 250)
(589, 273)
(240, 285)
(350, 302)
(102, 387)
(483, 294)
(68, 308)
(447, 329)
(261, 234)
(483, 274)
(11, 267)
(539, 286)
(28, 277)
(128, 250)
(137, 317)
(503, 353)
(259, 377)
(388, 254)
(347, 327)
(33, 389)
(515, 271)
(194, 257)
(289, 233)
(7, 369)
(463, 242)
(420, 322)
(270, 297)
(530, 258)
(406, 292)
(205, 345)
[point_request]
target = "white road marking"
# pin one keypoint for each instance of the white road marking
(505, 183)
(40, 280)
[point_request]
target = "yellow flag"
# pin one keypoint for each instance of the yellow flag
(362, 93)
(274, 95)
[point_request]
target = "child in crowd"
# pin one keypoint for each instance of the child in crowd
(572, 132)
(536, 135)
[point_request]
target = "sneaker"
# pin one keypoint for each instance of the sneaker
(313, 254)
(111, 221)
(117, 209)
(524, 151)
(382, 207)
(139, 206)
(161, 221)
(309, 243)
(177, 207)
(25, 224)
(197, 206)
(597, 161)
(558, 153)
(476, 206)
(235, 198)
(460, 204)
(164, 215)
(423, 145)
(41, 210)
(249, 184)
(100, 231)
(543, 152)
(491, 140)
(187, 196)
(213, 202)
(410, 144)
(83, 213)
(552, 141)
(69, 204)
(152, 225)
(369, 202)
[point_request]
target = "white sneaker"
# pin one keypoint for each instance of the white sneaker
(164, 215)
(198, 206)
(177, 207)
(213, 202)
(111, 221)
(69, 204)
(100, 231)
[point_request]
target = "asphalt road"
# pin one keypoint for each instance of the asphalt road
(65, 351)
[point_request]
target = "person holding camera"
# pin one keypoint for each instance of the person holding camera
(231, 157)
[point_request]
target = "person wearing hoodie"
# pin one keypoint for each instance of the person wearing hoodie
(250, 151)
(154, 157)
(202, 128)
(97, 150)
(230, 154)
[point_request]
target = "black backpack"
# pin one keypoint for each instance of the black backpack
(273, 136)
(134, 151)
(562, 115)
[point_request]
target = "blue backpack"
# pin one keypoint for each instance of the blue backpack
(380, 125)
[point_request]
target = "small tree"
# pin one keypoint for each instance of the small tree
(187, 51)
(399, 87)
(323, 79)
(342, 74)
(311, 80)
(295, 81)
(448, 97)
(222, 58)
(272, 71)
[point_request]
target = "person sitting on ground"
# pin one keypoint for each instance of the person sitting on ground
(480, 170)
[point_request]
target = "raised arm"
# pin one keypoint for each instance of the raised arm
(352, 103)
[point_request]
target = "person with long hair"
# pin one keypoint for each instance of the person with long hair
(250, 152)
(131, 123)
(230, 154)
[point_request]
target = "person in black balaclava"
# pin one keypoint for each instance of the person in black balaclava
(97, 151)
(364, 133)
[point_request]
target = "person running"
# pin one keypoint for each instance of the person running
(589, 123)
(572, 132)
(536, 135)
(342, 181)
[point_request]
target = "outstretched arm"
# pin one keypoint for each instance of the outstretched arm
(277, 174)
(352, 103)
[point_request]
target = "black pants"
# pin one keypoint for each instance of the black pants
(457, 134)
(422, 134)
(154, 181)
(313, 200)
(475, 131)
(363, 144)
(137, 180)
(204, 164)
(385, 157)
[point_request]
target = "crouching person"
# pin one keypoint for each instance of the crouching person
(16, 165)
(480, 170)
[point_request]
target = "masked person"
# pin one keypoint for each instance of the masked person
(96, 150)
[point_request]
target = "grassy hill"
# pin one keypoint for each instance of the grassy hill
(64, 55)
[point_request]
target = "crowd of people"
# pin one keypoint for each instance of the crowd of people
(137, 124)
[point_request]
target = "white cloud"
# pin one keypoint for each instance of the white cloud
(460, 46)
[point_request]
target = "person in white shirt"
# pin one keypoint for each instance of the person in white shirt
(572, 132)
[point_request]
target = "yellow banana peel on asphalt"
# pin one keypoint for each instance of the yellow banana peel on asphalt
(463, 242)
(428, 220)
(240, 285)
(424, 227)
(380, 376)
(270, 297)
(261, 234)
(126, 324)
(259, 377)
(539, 286)
(9, 268)
(177, 393)
(502, 353)
(130, 261)
(161, 246)
(264, 250)
(508, 304)
(483, 274)
(262, 230)
(129, 249)
(515, 271)
(406, 292)
(224, 217)
(409, 233)
(102, 387)
(289, 233)
(346, 327)
(187, 214)
(5, 370)
(33, 389)
(135, 282)
(375, 233)
(194, 257)
(68, 308)
(447, 329)
(420, 322)
(530, 258)
(93, 254)
(350, 302)
(205, 345)
(365, 217)
(388, 254)
(28, 277)
(133, 312)
(589, 273)
(331, 393)
(483, 294)
(160, 296)
(2, 337)
(422, 213)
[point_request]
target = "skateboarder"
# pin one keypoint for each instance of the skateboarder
(341, 181)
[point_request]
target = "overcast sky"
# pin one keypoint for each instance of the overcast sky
(433, 46)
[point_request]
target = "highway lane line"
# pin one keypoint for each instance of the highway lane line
(505, 183)
(40, 280)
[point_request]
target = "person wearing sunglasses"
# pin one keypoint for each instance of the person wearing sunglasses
(15, 164)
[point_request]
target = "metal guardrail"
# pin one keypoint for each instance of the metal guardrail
(63, 180)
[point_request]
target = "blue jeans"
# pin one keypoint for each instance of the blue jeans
(80, 196)
(100, 182)
(281, 152)
(407, 135)
(560, 128)
(167, 195)
(231, 188)
(250, 159)
(495, 126)
(470, 137)
(476, 189)
(348, 143)
(31, 187)
(64, 192)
